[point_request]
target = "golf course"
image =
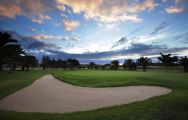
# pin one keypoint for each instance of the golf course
(93, 60)
(173, 106)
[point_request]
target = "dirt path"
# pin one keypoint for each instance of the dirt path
(48, 94)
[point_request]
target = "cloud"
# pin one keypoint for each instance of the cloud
(147, 4)
(120, 42)
(156, 34)
(109, 11)
(52, 37)
(32, 29)
(159, 28)
(40, 48)
(175, 1)
(40, 18)
(30, 43)
(135, 31)
(72, 38)
(10, 10)
(33, 9)
(174, 9)
(135, 50)
(70, 25)
(178, 1)
(181, 38)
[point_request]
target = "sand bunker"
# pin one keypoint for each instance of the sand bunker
(48, 94)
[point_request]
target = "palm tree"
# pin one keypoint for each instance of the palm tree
(124, 65)
(184, 63)
(91, 65)
(5, 43)
(167, 60)
(129, 63)
(144, 61)
(114, 64)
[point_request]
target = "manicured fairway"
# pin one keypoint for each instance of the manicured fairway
(169, 107)
(123, 78)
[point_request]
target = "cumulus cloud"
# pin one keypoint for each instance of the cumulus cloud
(174, 9)
(109, 11)
(70, 25)
(147, 4)
(33, 9)
(106, 11)
(10, 10)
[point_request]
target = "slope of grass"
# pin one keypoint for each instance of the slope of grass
(173, 106)
(123, 78)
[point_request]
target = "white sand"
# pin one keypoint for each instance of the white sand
(48, 94)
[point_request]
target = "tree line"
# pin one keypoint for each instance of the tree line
(167, 60)
(12, 56)
(48, 63)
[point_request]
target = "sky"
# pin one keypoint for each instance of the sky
(97, 30)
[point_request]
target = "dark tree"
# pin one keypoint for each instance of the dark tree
(97, 67)
(14, 52)
(106, 66)
(129, 63)
(45, 62)
(59, 63)
(114, 64)
(134, 65)
(167, 60)
(31, 61)
(91, 65)
(103, 67)
(6, 49)
(124, 65)
(63, 64)
(69, 64)
(184, 63)
(144, 62)
(75, 63)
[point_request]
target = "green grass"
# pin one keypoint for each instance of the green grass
(17, 80)
(173, 106)
(123, 78)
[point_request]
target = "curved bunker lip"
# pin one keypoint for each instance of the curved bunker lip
(50, 95)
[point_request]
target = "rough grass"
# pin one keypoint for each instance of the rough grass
(173, 106)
